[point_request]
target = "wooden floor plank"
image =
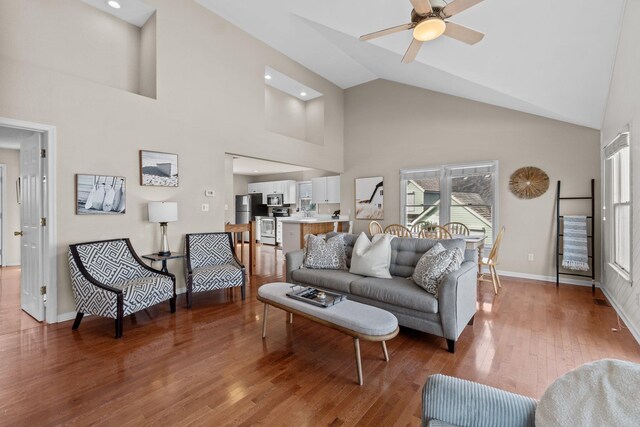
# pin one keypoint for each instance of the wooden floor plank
(209, 365)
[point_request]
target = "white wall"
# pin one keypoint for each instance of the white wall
(11, 215)
(389, 126)
(210, 100)
(623, 110)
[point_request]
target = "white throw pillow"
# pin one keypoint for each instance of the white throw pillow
(371, 259)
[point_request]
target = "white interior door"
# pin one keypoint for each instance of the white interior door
(30, 215)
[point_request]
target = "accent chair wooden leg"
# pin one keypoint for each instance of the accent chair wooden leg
(471, 320)
(356, 344)
(264, 320)
(451, 346)
(384, 350)
(189, 298)
(118, 325)
(172, 304)
(76, 323)
(242, 291)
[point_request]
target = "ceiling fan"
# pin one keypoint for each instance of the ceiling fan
(428, 23)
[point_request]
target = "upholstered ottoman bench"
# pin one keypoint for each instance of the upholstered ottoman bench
(352, 318)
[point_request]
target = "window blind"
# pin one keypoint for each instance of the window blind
(621, 141)
(471, 170)
(407, 174)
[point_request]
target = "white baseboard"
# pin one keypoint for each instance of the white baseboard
(67, 316)
(622, 314)
(565, 280)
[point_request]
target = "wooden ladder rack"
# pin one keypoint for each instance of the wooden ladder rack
(590, 236)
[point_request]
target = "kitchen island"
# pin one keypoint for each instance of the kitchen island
(294, 230)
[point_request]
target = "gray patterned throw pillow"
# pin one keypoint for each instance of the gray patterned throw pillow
(436, 267)
(421, 266)
(324, 254)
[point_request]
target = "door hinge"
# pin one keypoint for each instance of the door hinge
(43, 153)
(43, 222)
(43, 290)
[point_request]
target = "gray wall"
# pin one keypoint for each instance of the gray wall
(623, 111)
(11, 215)
(390, 126)
(210, 100)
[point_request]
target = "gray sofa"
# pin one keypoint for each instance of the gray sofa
(445, 316)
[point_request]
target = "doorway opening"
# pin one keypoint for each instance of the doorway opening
(27, 216)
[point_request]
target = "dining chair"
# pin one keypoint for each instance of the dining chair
(419, 226)
(375, 228)
(492, 261)
(434, 232)
(398, 230)
(457, 228)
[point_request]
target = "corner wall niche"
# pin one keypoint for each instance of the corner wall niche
(293, 109)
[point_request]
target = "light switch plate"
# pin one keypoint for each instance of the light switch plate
(209, 193)
(204, 207)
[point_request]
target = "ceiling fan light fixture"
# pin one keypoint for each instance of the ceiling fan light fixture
(429, 29)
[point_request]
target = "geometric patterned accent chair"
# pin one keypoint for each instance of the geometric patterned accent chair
(109, 279)
(449, 401)
(211, 264)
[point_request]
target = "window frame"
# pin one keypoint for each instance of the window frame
(445, 177)
(612, 186)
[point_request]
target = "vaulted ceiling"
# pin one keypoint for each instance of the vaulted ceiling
(550, 58)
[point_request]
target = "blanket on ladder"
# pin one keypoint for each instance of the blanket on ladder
(575, 250)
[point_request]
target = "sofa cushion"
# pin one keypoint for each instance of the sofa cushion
(432, 268)
(336, 280)
(397, 291)
(324, 254)
(372, 259)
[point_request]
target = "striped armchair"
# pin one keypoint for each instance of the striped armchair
(212, 264)
(109, 279)
(448, 401)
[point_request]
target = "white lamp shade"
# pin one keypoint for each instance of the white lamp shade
(163, 211)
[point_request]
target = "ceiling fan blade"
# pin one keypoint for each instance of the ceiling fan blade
(458, 6)
(462, 33)
(386, 32)
(422, 7)
(412, 52)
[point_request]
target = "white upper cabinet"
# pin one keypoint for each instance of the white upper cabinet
(326, 189)
(286, 188)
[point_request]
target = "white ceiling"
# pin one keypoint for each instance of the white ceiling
(551, 58)
(254, 167)
(135, 12)
(286, 84)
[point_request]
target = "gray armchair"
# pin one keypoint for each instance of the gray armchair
(448, 401)
(212, 264)
(109, 279)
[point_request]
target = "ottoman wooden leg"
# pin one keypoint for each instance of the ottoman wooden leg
(264, 320)
(384, 350)
(290, 317)
(356, 344)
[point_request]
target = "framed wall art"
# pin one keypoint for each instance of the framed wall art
(100, 195)
(369, 198)
(158, 169)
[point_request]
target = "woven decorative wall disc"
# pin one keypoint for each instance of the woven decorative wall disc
(528, 182)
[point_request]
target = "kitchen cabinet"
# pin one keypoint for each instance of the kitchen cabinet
(286, 188)
(326, 189)
(255, 188)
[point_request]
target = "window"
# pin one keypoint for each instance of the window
(451, 193)
(618, 187)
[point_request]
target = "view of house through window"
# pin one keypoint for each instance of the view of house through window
(619, 188)
(451, 193)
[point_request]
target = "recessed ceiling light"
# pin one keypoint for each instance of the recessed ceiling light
(267, 76)
(114, 4)
(255, 171)
(303, 93)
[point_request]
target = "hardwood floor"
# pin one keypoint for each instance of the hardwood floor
(209, 365)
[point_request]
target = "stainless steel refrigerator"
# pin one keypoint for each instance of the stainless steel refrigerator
(249, 206)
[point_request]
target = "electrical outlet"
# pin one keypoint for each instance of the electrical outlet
(204, 207)
(209, 193)
(530, 257)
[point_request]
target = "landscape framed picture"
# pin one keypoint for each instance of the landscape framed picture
(158, 169)
(100, 195)
(369, 198)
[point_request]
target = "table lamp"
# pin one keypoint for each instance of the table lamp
(163, 212)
